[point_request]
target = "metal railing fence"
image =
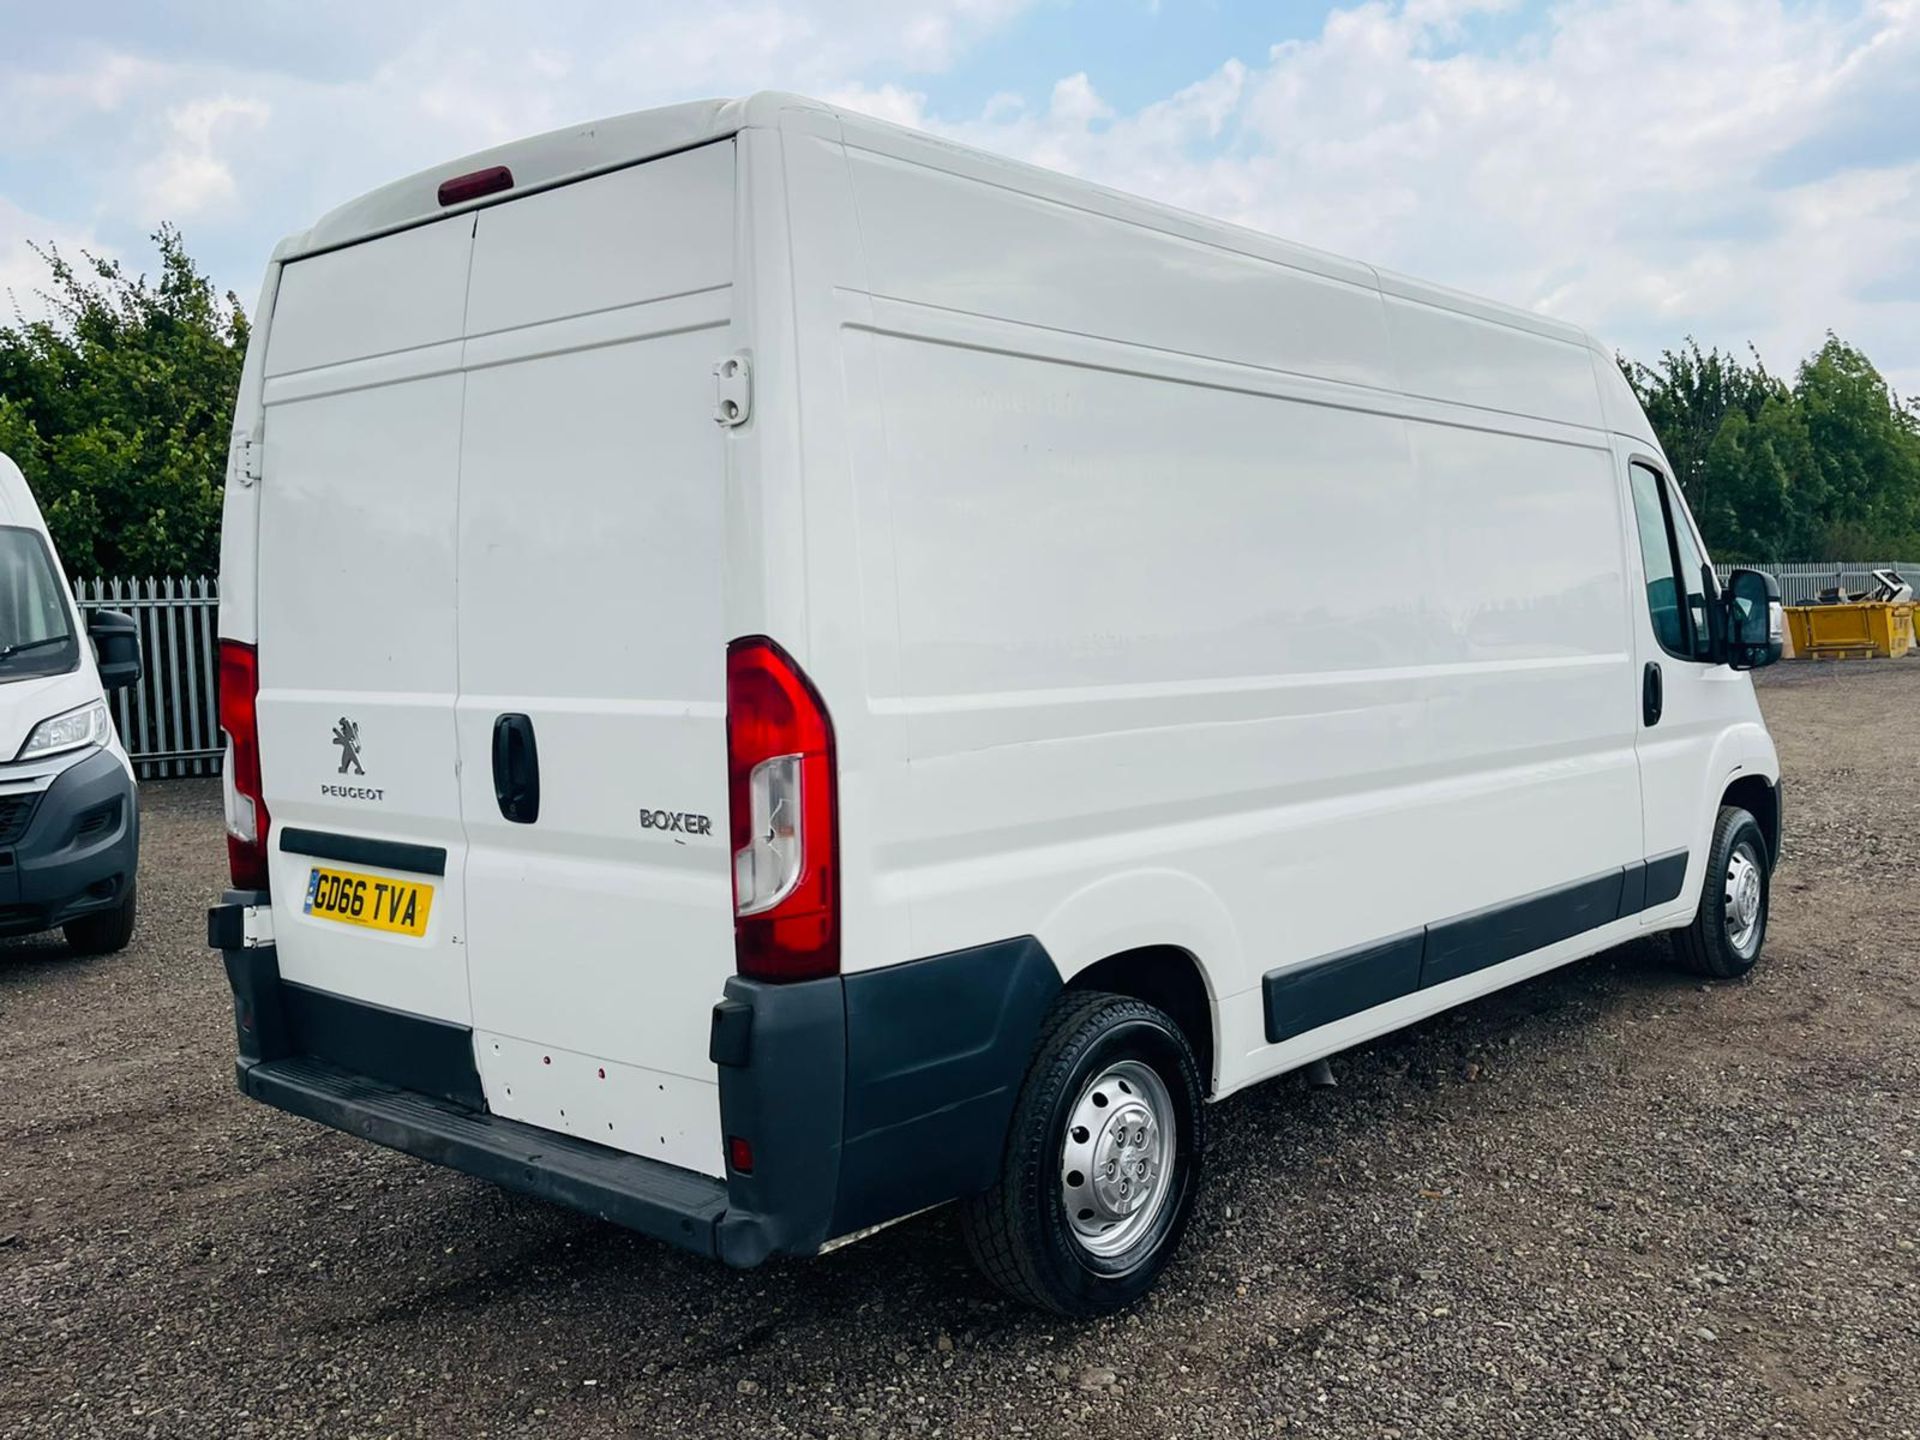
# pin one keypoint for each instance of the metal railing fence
(169, 722)
(1802, 581)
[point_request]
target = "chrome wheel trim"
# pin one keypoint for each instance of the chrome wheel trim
(1116, 1159)
(1745, 906)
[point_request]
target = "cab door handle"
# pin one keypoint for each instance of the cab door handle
(1652, 693)
(516, 769)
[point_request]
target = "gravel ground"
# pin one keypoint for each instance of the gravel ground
(1612, 1201)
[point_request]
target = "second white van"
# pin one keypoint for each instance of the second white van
(779, 672)
(69, 805)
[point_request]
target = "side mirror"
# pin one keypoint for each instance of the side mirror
(116, 648)
(1713, 615)
(1754, 623)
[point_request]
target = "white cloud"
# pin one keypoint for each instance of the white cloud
(891, 103)
(117, 134)
(40, 100)
(1630, 168)
(190, 176)
(23, 274)
(1643, 167)
(1075, 103)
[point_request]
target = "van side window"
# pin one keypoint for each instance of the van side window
(1691, 564)
(1656, 553)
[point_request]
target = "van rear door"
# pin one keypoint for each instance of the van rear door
(357, 659)
(592, 653)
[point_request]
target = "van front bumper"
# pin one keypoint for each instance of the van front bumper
(863, 1099)
(70, 848)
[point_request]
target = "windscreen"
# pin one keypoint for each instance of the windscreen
(36, 631)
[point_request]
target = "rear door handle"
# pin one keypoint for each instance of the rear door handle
(516, 769)
(1652, 693)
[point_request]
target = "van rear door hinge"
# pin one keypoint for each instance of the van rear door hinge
(246, 460)
(732, 391)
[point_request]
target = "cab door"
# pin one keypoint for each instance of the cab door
(1685, 699)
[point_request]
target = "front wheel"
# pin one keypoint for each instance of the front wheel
(1730, 926)
(1102, 1161)
(104, 931)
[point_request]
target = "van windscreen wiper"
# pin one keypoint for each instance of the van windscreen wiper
(7, 652)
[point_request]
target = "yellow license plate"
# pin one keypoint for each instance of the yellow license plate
(399, 906)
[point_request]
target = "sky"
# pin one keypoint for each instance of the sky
(1735, 170)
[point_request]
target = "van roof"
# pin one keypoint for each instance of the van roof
(537, 163)
(17, 505)
(561, 156)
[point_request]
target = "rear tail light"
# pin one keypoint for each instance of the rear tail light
(247, 820)
(782, 817)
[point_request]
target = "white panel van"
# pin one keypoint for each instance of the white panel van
(69, 807)
(779, 672)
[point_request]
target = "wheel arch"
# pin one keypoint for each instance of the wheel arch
(1168, 978)
(1743, 766)
(1158, 935)
(1760, 798)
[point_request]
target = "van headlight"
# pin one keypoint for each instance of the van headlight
(89, 725)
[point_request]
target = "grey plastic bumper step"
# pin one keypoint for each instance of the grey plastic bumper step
(663, 1201)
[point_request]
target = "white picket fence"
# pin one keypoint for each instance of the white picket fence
(169, 722)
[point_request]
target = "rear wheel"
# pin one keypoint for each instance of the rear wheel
(1730, 926)
(1102, 1161)
(104, 931)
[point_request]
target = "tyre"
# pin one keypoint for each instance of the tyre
(1730, 926)
(1102, 1162)
(104, 931)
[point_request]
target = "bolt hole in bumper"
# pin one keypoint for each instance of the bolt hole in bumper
(70, 849)
(835, 1082)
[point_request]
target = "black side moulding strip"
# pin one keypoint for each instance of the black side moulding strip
(1301, 998)
(1336, 986)
(1665, 875)
(1506, 932)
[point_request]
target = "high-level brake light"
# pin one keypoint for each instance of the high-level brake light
(490, 181)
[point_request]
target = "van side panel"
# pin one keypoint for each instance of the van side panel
(1349, 661)
(1533, 699)
(1444, 355)
(980, 249)
(356, 596)
(240, 507)
(814, 562)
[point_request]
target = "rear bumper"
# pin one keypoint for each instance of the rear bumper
(410, 1083)
(863, 1099)
(670, 1204)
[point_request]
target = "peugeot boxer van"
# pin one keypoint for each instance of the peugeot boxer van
(779, 672)
(69, 813)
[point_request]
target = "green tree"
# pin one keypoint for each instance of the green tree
(1828, 468)
(1687, 396)
(1865, 452)
(1750, 493)
(118, 406)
